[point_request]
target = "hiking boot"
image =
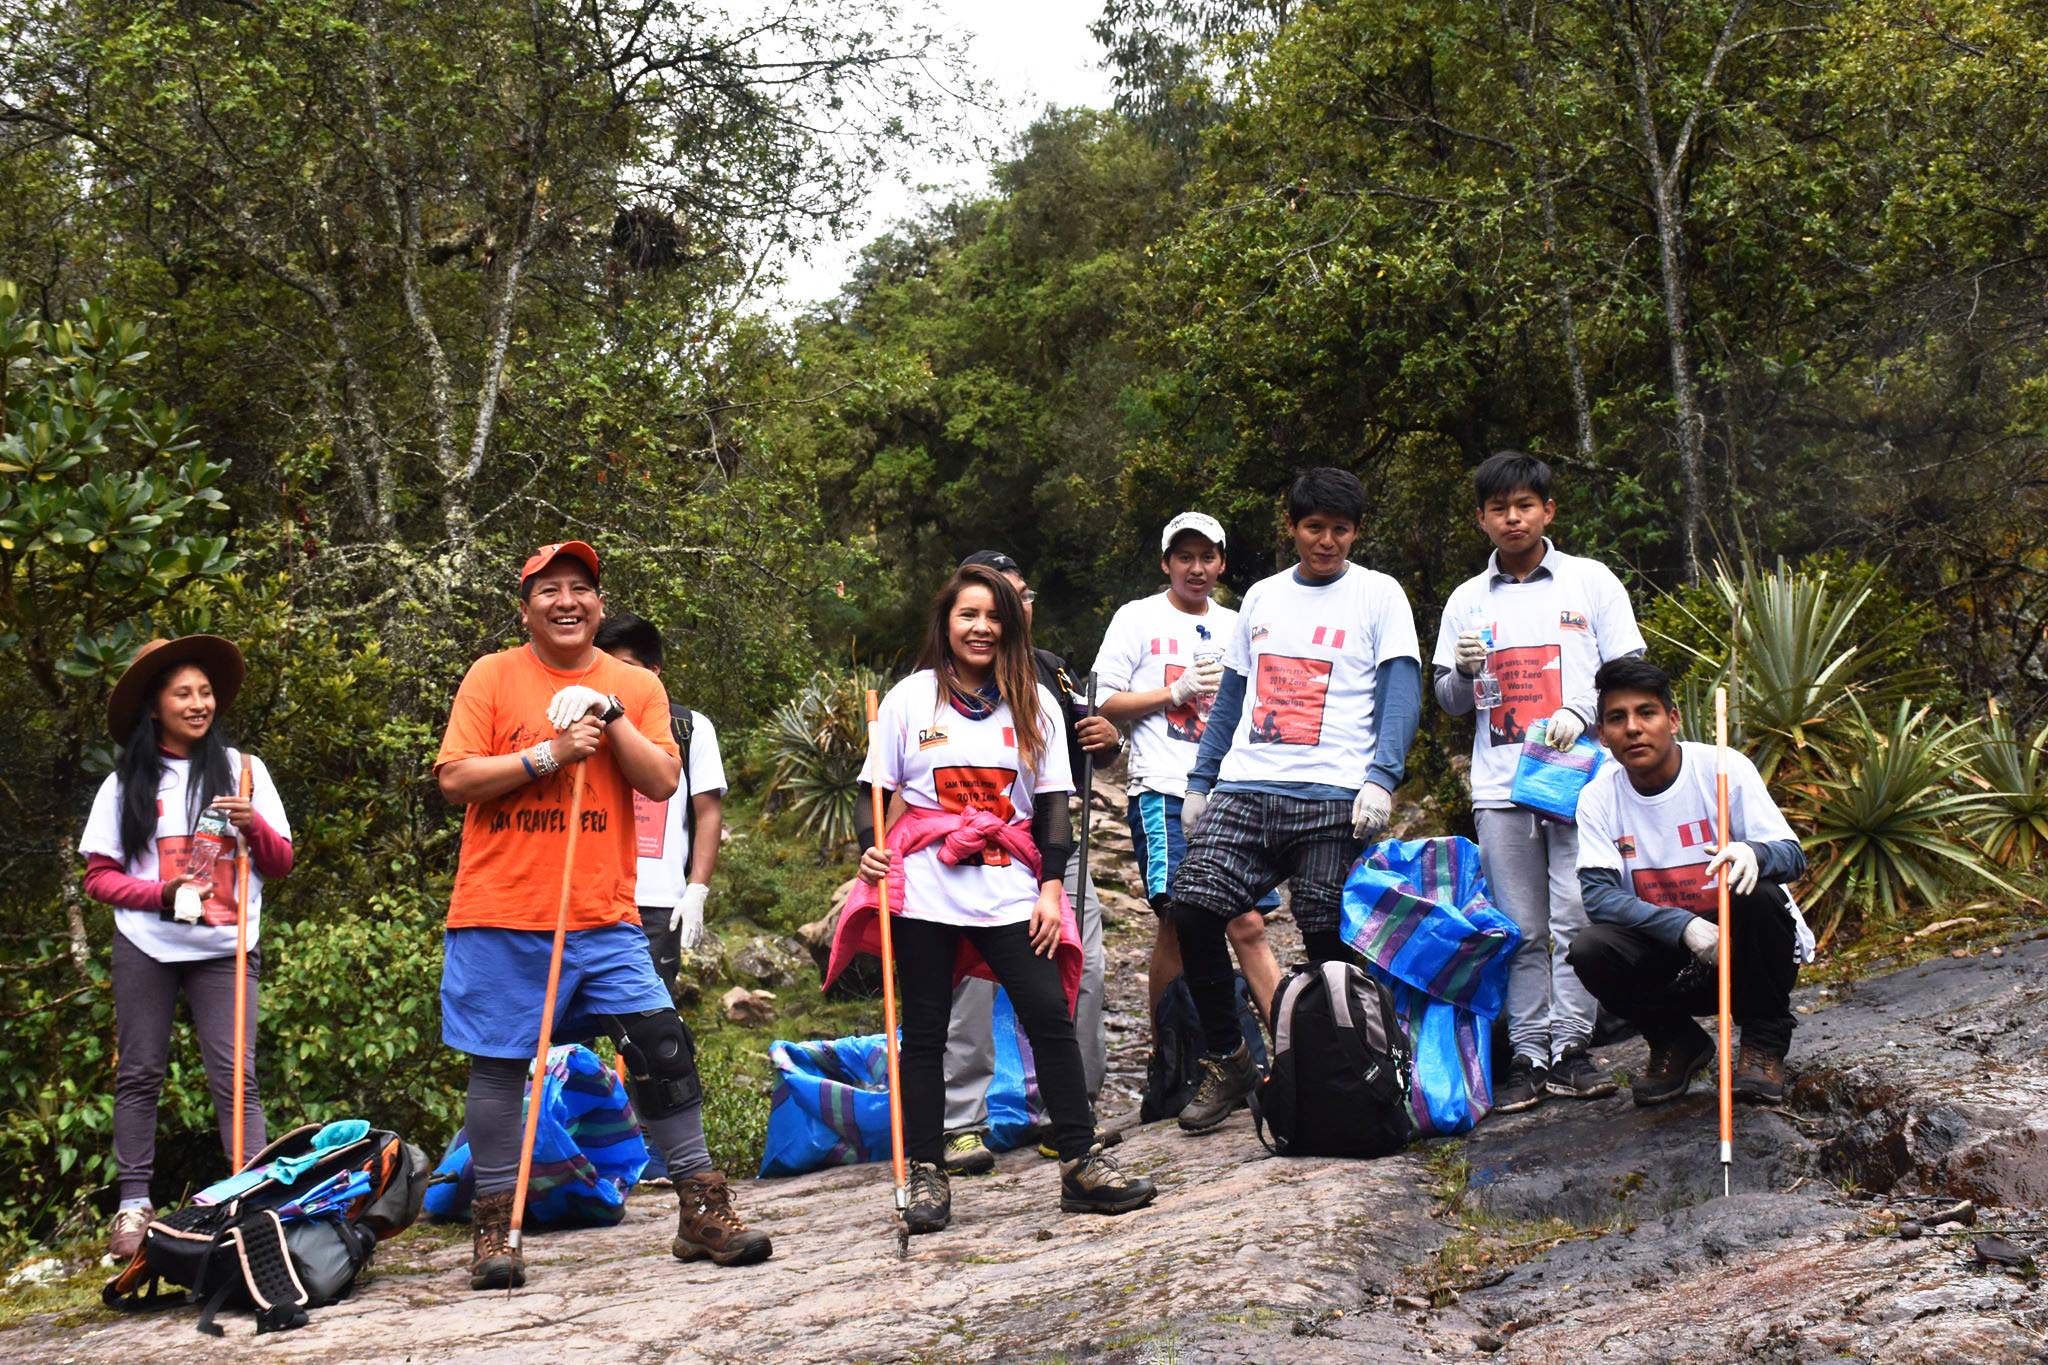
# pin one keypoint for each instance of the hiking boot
(126, 1238)
(1523, 1089)
(967, 1153)
(493, 1264)
(1673, 1064)
(1225, 1083)
(707, 1227)
(1759, 1076)
(1104, 1137)
(931, 1198)
(1576, 1078)
(1096, 1184)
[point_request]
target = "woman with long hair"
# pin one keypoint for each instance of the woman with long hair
(160, 848)
(971, 748)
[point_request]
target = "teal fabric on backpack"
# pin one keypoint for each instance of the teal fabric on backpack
(1419, 912)
(587, 1150)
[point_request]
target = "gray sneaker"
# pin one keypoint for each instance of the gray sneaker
(1225, 1084)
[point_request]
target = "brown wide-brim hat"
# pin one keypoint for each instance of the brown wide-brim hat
(132, 695)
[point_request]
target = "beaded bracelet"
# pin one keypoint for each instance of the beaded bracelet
(543, 756)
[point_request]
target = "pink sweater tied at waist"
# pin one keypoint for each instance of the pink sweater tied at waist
(960, 836)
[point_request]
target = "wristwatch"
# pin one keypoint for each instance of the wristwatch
(613, 709)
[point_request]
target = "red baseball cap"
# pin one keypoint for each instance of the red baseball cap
(547, 554)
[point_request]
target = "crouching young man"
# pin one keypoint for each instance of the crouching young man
(523, 719)
(1649, 873)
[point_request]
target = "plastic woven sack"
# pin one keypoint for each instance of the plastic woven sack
(1419, 912)
(1548, 781)
(1014, 1106)
(587, 1150)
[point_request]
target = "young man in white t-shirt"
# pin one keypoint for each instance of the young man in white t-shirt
(1540, 622)
(1305, 743)
(1649, 871)
(678, 838)
(1157, 673)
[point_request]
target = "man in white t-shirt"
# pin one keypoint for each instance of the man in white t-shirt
(1650, 872)
(1539, 623)
(1156, 674)
(677, 839)
(1305, 743)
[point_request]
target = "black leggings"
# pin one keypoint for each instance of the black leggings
(925, 954)
(1205, 961)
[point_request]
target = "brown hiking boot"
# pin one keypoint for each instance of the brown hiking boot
(1673, 1064)
(1096, 1184)
(1759, 1076)
(493, 1263)
(1224, 1084)
(707, 1227)
(129, 1225)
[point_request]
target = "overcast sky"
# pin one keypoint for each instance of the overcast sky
(1033, 55)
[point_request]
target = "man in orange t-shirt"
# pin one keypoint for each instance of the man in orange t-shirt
(522, 718)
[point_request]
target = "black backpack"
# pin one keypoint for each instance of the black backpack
(682, 723)
(1339, 1081)
(240, 1253)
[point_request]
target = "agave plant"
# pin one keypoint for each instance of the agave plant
(818, 739)
(2014, 830)
(1888, 820)
(1798, 657)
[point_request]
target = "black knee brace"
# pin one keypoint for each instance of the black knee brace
(661, 1061)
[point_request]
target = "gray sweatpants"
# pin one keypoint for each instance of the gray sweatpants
(1532, 868)
(145, 996)
(494, 1121)
(970, 1036)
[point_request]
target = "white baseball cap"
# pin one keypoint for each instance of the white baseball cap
(1200, 523)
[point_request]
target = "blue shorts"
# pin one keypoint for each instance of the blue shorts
(493, 981)
(1157, 840)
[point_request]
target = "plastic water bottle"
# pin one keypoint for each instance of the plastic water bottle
(212, 837)
(1207, 654)
(1486, 687)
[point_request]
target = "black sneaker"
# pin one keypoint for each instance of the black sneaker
(1576, 1078)
(1673, 1064)
(1225, 1083)
(1523, 1089)
(931, 1198)
(1096, 1184)
(967, 1153)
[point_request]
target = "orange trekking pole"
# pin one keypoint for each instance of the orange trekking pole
(547, 1011)
(889, 1009)
(1721, 957)
(242, 967)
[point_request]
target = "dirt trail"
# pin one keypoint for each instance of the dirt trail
(1930, 1082)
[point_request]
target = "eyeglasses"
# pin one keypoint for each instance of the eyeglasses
(1028, 596)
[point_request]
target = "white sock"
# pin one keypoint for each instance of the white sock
(127, 1204)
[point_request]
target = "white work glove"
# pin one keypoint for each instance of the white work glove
(1471, 654)
(1737, 863)
(573, 703)
(1370, 809)
(1564, 729)
(1202, 680)
(1191, 807)
(1703, 940)
(688, 919)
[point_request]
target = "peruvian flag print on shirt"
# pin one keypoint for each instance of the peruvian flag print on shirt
(1662, 843)
(1309, 655)
(942, 760)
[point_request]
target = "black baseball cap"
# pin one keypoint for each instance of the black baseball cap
(993, 559)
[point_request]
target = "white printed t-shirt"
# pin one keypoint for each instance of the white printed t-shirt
(1149, 644)
(941, 760)
(1660, 843)
(1551, 633)
(163, 939)
(660, 833)
(1309, 656)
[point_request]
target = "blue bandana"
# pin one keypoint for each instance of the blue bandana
(979, 704)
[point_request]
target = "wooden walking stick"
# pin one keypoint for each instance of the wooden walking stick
(242, 967)
(889, 1008)
(1721, 957)
(547, 1011)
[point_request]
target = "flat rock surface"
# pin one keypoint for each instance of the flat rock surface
(1251, 1258)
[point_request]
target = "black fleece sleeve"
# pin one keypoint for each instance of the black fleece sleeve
(864, 816)
(1052, 829)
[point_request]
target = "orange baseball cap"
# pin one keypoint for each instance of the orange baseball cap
(547, 555)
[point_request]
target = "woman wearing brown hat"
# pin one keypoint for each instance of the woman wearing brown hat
(174, 921)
